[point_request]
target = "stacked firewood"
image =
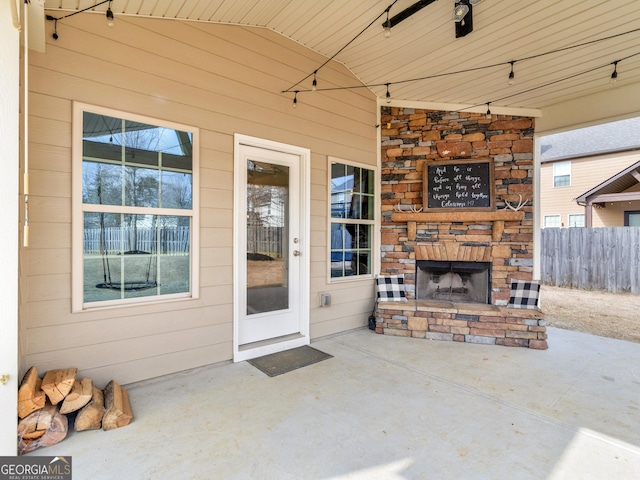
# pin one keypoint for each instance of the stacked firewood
(45, 407)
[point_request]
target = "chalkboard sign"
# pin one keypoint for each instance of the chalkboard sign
(459, 185)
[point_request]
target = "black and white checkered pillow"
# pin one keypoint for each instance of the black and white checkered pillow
(524, 294)
(390, 288)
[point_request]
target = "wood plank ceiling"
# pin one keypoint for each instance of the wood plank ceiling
(424, 45)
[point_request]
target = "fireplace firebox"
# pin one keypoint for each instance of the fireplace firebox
(453, 281)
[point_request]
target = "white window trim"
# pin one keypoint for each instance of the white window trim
(556, 215)
(566, 165)
(77, 211)
(576, 215)
(375, 223)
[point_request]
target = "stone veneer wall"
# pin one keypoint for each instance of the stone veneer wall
(411, 137)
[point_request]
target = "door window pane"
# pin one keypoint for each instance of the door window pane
(267, 227)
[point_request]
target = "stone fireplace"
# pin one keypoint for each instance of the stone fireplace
(458, 264)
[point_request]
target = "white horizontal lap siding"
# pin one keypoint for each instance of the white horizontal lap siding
(221, 80)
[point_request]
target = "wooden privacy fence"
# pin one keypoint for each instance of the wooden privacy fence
(266, 240)
(171, 241)
(592, 258)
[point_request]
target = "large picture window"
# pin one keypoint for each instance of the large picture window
(135, 207)
(352, 219)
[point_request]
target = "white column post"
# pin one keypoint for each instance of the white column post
(9, 240)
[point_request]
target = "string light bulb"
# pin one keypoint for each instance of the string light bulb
(386, 33)
(388, 95)
(295, 99)
(314, 84)
(488, 114)
(110, 20)
(512, 74)
(614, 75)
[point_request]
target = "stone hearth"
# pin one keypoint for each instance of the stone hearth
(463, 322)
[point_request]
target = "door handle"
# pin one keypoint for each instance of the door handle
(296, 253)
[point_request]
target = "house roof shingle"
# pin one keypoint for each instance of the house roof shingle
(611, 137)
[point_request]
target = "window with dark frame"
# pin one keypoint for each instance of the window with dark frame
(632, 218)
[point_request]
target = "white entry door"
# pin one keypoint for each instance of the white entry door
(271, 271)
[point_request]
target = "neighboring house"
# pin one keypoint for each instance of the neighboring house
(618, 196)
(577, 163)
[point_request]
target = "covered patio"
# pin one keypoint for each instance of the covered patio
(386, 408)
(280, 72)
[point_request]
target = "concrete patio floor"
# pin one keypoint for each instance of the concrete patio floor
(385, 408)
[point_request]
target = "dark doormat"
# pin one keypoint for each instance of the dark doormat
(283, 362)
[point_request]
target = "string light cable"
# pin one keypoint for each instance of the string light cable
(510, 63)
(575, 75)
(55, 20)
(314, 73)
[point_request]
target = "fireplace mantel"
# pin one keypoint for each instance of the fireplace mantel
(466, 216)
(498, 217)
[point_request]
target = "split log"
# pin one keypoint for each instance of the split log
(90, 416)
(80, 395)
(117, 407)
(35, 424)
(42, 428)
(58, 383)
(30, 395)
